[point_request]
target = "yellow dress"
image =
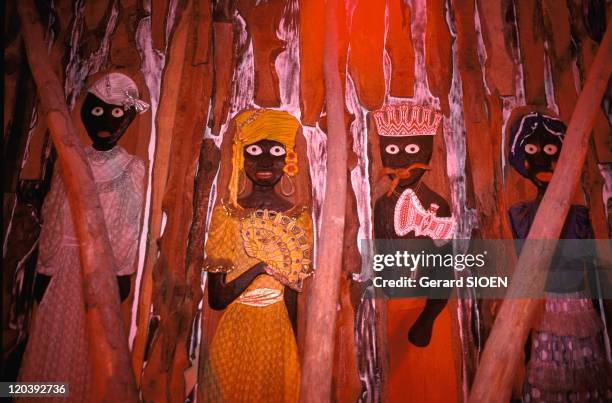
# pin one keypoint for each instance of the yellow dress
(253, 355)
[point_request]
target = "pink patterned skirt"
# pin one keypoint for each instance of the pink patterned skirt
(568, 361)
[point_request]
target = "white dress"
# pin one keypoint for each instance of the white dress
(57, 349)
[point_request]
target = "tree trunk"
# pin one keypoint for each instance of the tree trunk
(321, 312)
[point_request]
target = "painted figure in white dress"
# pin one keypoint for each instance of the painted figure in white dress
(57, 347)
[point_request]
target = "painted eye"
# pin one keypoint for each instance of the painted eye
(277, 151)
(412, 148)
(531, 148)
(97, 111)
(392, 149)
(254, 150)
(550, 149)
(117, 112)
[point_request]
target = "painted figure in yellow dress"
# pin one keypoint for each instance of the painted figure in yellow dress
(258, 253)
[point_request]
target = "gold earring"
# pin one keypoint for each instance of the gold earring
(283, 186)
(242, 183)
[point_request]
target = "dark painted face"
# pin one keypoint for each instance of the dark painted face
(264, 162)
(105, 123)
(402, 152)
(541, 154)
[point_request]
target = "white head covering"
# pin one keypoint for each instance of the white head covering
(119, 89)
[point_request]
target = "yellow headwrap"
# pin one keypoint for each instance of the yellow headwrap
(262, 124)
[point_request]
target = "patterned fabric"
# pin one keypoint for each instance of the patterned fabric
(410, 215)
(223, 247)
(278, 240)
(568, 363)
(253, 357)
(119, 89)
(261, 297)
(119, 180)
(253, 354)
(57, 349)
(227, 251)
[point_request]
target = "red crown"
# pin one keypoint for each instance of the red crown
(407, 120)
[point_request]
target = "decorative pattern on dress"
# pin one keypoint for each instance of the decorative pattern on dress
(410, 215)
(279, 241)
(568, 361)
(57, 350)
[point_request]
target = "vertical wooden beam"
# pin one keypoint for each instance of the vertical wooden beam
(166, 115)
(483, 118)
(499, 360)
(207, 172)
(438, 53)
(558, 34)
(321, 313)
(347, 386)
(312, 84)
(20, 97)
(123, 50)
(112, 378)
(482, 115)
(367, 41)
(531, 41)
(13, 62)
(95, 17)
(602, 140)
(400, 49)
(159, 15)
(474, 97)
(223, 48)
(262, 20)
(176, 281)
(496, 36)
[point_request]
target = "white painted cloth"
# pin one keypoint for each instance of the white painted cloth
(119, 89)
(57, 348)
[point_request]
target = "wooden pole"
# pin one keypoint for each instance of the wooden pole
(499, 362)
(112, 378)
(323, 300)
(165, 121)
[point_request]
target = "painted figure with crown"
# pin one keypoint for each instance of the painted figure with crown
(258, 253)
(57, 349)
(418, 328)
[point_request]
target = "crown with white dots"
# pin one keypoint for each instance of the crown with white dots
(402, 120)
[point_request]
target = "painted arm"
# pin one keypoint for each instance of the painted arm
(222, 293)
(290, 297)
